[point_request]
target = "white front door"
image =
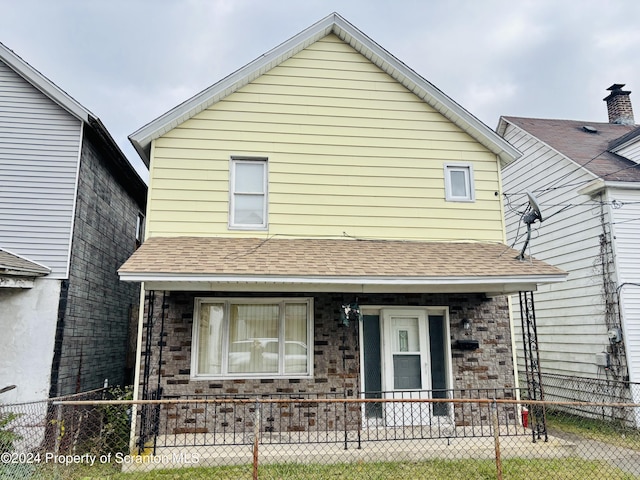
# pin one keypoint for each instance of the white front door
(406, 366)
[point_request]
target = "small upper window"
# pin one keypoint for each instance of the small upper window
(139, 230)
(459, 183)
(248, 193)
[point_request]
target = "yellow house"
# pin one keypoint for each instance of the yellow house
(324, 221)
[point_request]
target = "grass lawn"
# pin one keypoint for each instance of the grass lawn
(593, 429)
(515, 469)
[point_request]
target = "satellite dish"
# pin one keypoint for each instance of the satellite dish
(529, 218)
(534, 213)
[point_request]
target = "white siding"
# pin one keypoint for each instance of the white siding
(39, 151)
(632, 151)
(626, 229)
(571, 327)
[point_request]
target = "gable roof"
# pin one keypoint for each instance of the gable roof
(366, 265)
(589, 149)
(120, 162)
(332, 24)
(42, 83)
(15, 265)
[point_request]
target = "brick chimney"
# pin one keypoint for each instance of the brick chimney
(619, 105)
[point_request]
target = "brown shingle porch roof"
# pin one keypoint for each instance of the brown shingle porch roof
(238, 258)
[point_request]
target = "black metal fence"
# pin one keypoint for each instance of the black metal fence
(327, 418)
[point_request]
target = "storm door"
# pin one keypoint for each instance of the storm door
(406, 355)
(406, 366)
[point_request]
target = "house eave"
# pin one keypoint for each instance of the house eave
(39, 81)
(11, 281)
(599, 185)
(490, 284)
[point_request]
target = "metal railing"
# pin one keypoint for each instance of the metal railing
(328, 418)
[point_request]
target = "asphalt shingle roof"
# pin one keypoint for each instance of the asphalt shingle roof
(587, 149)
(11, 264)
(329, 258)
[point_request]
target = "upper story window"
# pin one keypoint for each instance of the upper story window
(139, 230)
(252, 337)
(458, 179)
(248, 193)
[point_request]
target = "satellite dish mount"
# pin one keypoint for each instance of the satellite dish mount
(530, 218)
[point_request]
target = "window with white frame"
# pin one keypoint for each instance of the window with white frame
(139, 229)
(458, 180)
(248, 193)
(252, 337)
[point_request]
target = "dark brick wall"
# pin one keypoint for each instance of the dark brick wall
(336, 353)
(91, 341)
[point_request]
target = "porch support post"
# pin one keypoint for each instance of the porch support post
(147, 345)
(532, 365)
(161, 343)
(146, 409)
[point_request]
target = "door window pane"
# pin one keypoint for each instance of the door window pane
(406, 372)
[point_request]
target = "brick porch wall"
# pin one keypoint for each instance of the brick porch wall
(336, 359)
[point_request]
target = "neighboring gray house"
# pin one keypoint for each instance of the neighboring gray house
(71, 212)
(586, 177)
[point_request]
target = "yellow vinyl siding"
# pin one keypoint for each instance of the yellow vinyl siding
(350, 151)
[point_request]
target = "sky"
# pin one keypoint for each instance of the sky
(130, 61)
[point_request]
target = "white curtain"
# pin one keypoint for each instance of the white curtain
(253, 338)
(210, 339)
(295, 347)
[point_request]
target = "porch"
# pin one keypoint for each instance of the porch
(332, 419)
(236, 431)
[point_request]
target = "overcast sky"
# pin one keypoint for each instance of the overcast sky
(129, 61)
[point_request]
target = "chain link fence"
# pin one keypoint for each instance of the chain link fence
(280, 437)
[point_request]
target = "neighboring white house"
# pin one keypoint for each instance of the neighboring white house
(70, 209)
(586, 179)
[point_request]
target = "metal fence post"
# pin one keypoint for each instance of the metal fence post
(58, 439)
(256, 439)
(496, 438)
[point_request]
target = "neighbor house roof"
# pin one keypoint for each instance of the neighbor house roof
(586, 143)
(15, 265)
(365, 264)
(332, 24)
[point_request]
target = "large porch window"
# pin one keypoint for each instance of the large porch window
(235, 338)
